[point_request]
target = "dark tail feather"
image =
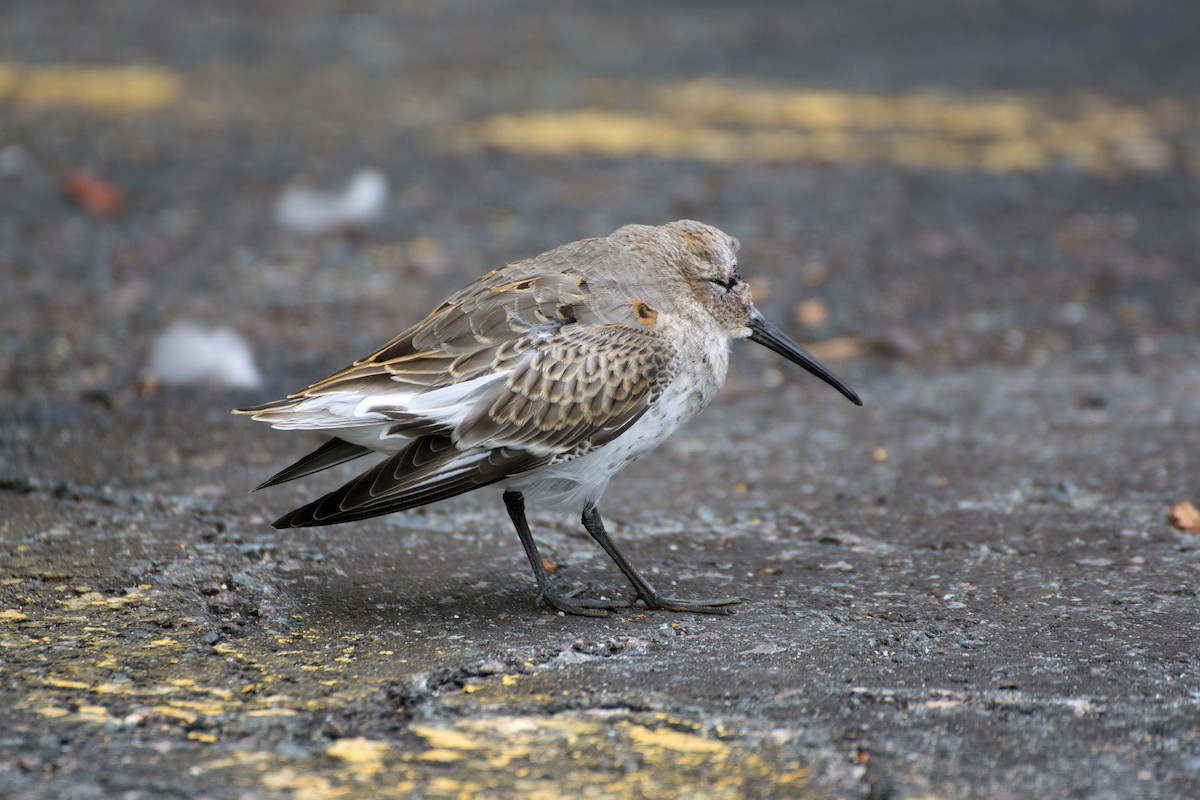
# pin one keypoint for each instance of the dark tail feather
(315, 513)
(429, 469)
(330, 454)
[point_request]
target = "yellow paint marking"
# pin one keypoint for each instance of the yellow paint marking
(201, 707)
(751, 104)
(592, 131)
(795, 775)
(546, 756)
(190, 685)
(304, 787)
(114, 688)
(730, 121)
(441, 755)
(129, 89)
(175, 713)
(89, 600)
(94, 713)
(675, 741)
(271, 712)
(482, 747)
(280, 778)
(358, 750)
(445, 739)
(52, 711)
(450, 787)
(364, 755)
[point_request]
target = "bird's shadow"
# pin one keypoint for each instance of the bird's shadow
(348, 606)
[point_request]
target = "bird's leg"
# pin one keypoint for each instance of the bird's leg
(588, 607)
(648, 594)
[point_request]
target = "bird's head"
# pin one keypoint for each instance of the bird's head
(707, 259)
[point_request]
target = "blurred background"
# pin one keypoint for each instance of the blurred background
(947, 181)
(983, 214)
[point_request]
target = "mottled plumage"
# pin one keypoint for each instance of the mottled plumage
(546, 376)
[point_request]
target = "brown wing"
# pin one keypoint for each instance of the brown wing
(571, 389)
(491, 322)
(567, 392)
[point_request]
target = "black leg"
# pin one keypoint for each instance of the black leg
(515, 503)
(648, 594)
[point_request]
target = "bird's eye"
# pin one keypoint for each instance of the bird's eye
(726, 285)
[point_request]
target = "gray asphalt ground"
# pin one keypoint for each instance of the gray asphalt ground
(985, 215)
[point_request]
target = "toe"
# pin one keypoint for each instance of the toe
(719, 605)
(569, 603)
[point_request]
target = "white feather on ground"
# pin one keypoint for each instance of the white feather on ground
(187, 354)
(315, 212)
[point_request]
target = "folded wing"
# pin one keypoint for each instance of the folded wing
(563, 396)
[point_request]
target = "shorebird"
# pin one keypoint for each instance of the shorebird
(546, 376)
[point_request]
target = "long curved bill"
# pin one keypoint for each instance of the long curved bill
(770, 337)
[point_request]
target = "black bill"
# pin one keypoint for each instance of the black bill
(770, 337)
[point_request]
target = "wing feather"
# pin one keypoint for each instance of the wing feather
(429, 469)
(523, 423)
(330, 454)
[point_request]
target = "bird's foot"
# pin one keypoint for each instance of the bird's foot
(571, 603)
(719, 605)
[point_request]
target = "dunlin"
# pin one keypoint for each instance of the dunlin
(546, 377)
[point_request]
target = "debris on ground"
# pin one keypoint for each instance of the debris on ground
(188, 354)
(314, 212)
(94, 194)
(1185, 516)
